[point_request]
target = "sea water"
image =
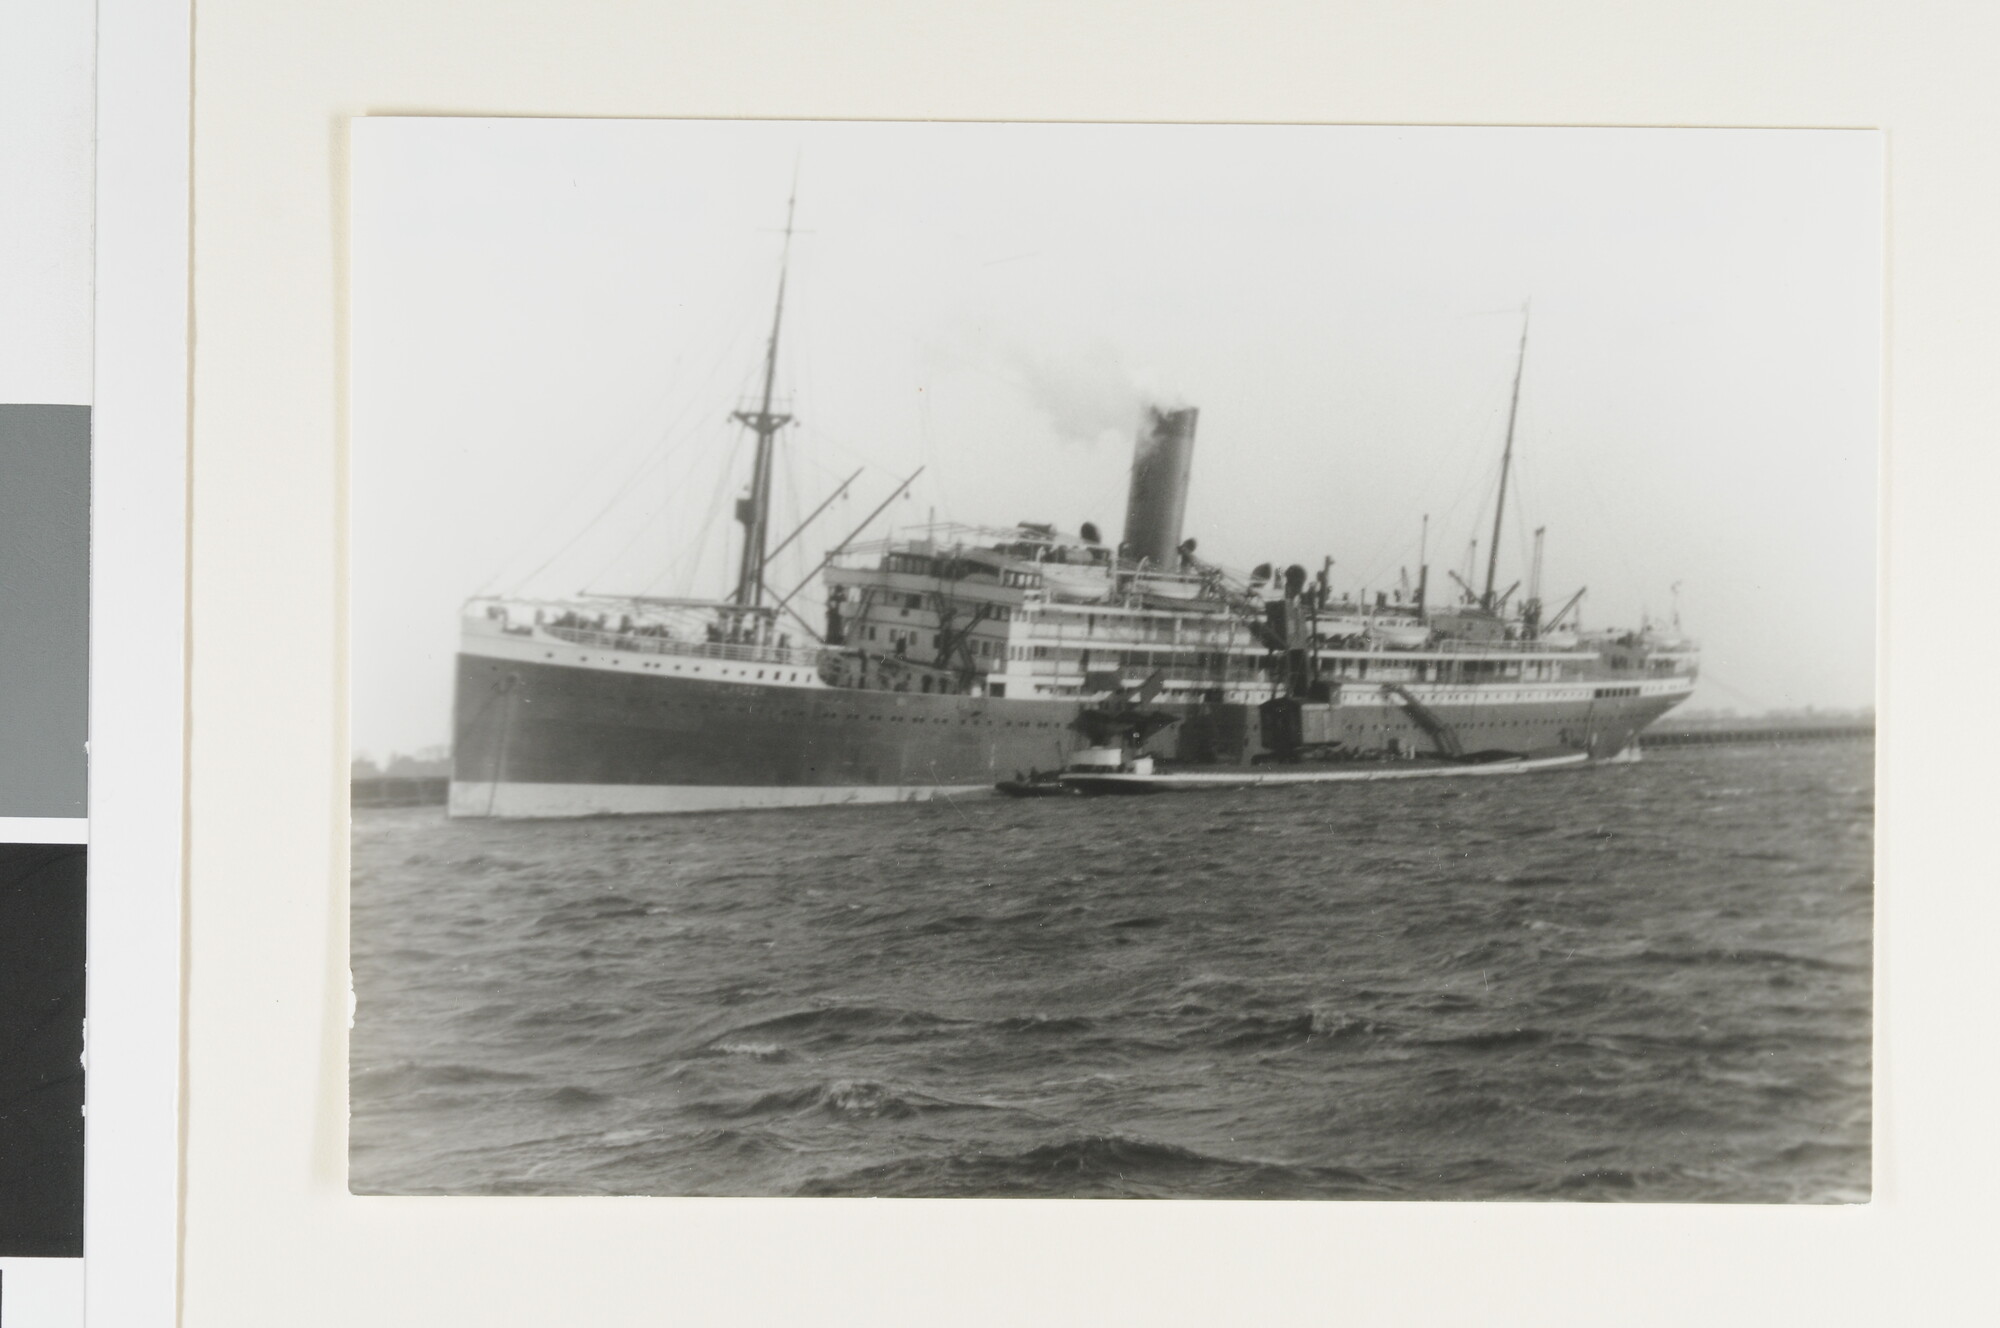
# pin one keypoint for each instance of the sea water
(1644, 982)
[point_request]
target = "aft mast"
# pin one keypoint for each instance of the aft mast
(1506, 461)
(1424, 569)
(1531, 608)
(755, 510)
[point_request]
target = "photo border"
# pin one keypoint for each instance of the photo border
(270, 1228)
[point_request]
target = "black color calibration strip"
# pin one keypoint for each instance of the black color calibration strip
(41, 1050)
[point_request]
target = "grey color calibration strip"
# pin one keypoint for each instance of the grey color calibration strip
(44, 608)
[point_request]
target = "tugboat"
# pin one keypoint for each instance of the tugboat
(1036, 784)
(1300, 735)
(1111, 770)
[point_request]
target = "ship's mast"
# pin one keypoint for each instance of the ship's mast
(1423, 566)
(1506, 461)
(755, 511)
(1535, 570)
(1531, 609)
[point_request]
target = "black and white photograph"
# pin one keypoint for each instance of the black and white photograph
(1112, 661)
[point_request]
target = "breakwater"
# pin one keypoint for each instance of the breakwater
(1713, 737)
(399, 791)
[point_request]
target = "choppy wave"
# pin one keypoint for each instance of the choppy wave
(1098, 1166)
(832, 1025)
(1652, 985)
(407, 1075)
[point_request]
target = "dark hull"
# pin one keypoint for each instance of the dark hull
(551, 739)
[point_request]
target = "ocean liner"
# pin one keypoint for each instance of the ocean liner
(951, 659)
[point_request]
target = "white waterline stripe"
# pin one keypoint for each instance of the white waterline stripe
(556, 800)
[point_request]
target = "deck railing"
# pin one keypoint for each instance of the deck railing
(1451, 646)
(1112, 637)
(629, 642)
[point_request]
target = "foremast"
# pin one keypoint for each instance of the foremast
(754, 511)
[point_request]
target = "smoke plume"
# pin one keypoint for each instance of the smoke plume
(1090, 392)
(1089, 397)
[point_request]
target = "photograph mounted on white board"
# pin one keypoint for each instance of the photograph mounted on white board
(1090, 660)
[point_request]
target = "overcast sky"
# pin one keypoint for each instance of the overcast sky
(553, 319)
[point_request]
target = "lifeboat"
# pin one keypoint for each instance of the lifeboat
(1079, 583)
(1179, 589)
(1399, 633)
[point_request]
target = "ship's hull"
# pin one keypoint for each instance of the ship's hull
(538, 738)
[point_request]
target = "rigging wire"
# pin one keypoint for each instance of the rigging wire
(926, 440)
(1708, 676)
(664, 448)
(1489, 486)
(581, 477)
(799, 371)
(1483, 419)
(722, 350)
(829, 441)
(1473, 430)
(1598, 507)
(639, 532)
(694, 553)
(1389, 549)
(1524, 540)
(788, 457)
(619, 495)
(669, 495)
(727, 350)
